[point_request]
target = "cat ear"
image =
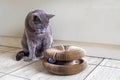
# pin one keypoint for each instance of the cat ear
(49, 16)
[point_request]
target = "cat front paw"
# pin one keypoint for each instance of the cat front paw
(42, 56)
(27, 59)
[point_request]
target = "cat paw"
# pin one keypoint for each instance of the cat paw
(42, 57)
(38, 55)
(27, 59)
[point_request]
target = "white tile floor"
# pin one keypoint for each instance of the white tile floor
(98, 68)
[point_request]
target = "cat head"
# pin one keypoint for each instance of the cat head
(38, 20)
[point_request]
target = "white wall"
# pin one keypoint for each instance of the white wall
(76, 20)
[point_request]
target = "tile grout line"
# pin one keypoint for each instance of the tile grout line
(5, 74)
(22, 67)
(94, 68)
(109, 66)
(9, 73)
(18, 76)
(19, 69)
(103, 57)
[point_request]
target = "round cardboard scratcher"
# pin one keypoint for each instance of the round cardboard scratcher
(65, 53)
(65, 60)
(65, 67)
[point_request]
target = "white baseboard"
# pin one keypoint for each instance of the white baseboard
(93, 49)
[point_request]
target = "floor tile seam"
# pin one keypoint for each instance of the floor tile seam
(102, 57)
(21, 67)
(93, 69)
(93, 56)
(109, 66)
(113, 59)
(92, 64)
(5, 74)
(18, 76)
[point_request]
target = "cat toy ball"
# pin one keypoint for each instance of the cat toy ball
(65, 60)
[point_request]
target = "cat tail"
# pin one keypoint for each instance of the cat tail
(19, 55)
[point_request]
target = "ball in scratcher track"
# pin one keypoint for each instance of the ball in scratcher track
(65, 60)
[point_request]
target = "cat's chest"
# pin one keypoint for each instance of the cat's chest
(38, 41)
(38, 38)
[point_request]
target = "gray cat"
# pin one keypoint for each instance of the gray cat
(37, 36)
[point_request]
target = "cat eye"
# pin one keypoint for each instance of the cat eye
(36, 20)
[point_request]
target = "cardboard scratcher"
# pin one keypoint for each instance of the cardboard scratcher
(66, 60)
